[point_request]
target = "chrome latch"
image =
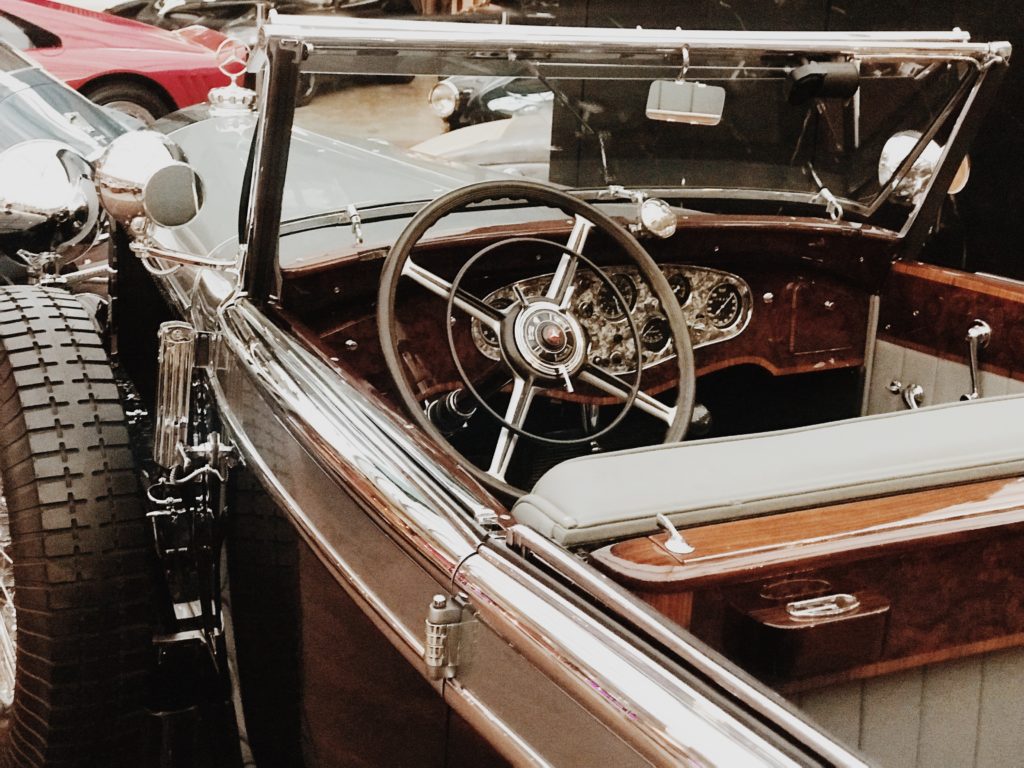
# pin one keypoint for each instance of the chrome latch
(447, 627)
(822, 607)
(675, 542)
(978, 336)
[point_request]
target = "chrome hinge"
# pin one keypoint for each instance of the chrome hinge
(447, 632)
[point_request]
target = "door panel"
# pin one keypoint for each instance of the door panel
(926, 312)
(966, 713)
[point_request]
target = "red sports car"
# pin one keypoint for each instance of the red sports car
(134, 67)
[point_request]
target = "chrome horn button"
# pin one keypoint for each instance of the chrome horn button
(550, 342)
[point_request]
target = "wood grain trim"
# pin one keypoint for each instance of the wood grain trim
(929, 309)
(727, 551)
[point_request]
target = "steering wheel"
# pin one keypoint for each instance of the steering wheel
(541, 342)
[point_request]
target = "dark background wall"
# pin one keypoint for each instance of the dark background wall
(986, 221)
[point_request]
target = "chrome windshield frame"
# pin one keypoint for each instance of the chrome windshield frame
(293, 44)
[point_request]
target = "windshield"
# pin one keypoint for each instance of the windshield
(773, 143)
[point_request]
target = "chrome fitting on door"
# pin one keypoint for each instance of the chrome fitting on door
(446, 630)
(978, 336)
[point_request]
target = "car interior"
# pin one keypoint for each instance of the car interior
(843, 516)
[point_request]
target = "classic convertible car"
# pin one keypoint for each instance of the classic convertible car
(679, 457)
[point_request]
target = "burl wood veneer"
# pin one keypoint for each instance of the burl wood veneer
(948, 561)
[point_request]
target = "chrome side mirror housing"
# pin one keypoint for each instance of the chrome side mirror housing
(47, 194)
(145, 174)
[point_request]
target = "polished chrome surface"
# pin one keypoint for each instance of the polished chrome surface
(736, 683)
(8, 616)
(359, 448)
(611, 344)
(174, 388)
(978, 336)
(913, 396)
(232, 99)
(126, 167)
(44, 183)
(631, 691)
(675, 542)
(824, 606)
(324, 32)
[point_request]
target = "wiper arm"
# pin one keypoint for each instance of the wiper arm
(832, 205)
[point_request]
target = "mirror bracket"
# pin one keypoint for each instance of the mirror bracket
(145, 246)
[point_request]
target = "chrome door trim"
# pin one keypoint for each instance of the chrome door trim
(645, 618)
(623, 685)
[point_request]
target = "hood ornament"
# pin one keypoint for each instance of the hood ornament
(232, 60)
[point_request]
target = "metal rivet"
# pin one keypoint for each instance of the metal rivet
(439, 601)
(768, 297)
(351, 344)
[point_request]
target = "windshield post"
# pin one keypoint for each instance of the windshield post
(273, 131)
(977, 104)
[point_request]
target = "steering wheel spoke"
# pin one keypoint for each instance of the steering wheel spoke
(487, 315)
(611, 384)
(565, 272)
(515, 414)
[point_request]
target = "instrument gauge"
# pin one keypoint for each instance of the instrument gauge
(655, 334)
(608, 302)
(681, 287)
(500, 302)
(724, 305)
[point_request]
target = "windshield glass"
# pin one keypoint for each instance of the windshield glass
(772, 143)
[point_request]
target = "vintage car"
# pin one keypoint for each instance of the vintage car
(143, 71)
(59, 227)
(677, 457)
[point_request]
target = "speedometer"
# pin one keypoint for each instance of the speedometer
(724, 304)
(608, 302)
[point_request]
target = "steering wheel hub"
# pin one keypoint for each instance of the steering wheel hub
(547, 342)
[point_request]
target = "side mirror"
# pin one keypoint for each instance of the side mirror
(143, 173)
(682, 101)
(46, 189)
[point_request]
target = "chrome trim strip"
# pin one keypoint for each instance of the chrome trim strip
(353, 33)
(660, 715)
(365, 451)
(639, 614)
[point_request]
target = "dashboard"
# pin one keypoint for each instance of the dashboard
(717, 306)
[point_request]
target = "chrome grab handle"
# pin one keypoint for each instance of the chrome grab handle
(912, 394)
(978, 336)
(822, 607)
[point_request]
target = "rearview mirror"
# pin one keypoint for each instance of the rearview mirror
(682, 101)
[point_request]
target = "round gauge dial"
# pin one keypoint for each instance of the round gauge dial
(501, 302)
(655, 334)
(681, 287)
(724, 304)
(608, 302)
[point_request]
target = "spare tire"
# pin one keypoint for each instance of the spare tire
(82, 564)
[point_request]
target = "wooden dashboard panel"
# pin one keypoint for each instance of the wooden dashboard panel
(929, 309)
(947, 560)
(810, 281)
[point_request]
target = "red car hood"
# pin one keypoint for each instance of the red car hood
(95, 43)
